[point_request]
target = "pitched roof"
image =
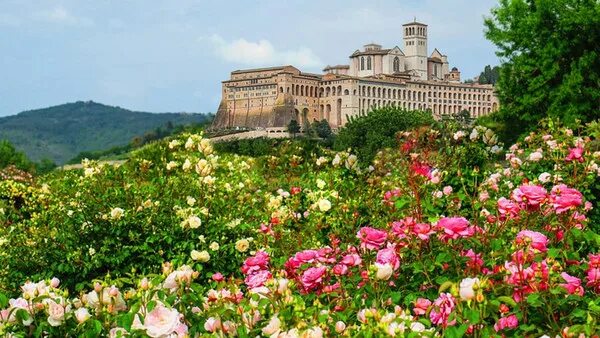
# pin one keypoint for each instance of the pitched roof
(251, 70)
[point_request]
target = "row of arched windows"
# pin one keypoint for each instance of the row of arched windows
(366, 105)
(389, 93)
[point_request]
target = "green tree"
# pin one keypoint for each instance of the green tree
(367, 134)
(293, 127)
(322, 129)
(551, 57)
(10, 156)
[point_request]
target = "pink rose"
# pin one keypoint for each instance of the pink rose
(533, 195)
(312, 278)
(507, 208)
(351, 260)
(573, 285)
(564, 198)
(441, 310)
(447, 190)
(537, 240)
(423, 230)
(421, 306)
(575, 154)
(510, 322)
(340, 269)
(371, 238)
(455, 227)
(388, 256)
(260, 261)
(217, 277)
(212, 324)
(257, 278)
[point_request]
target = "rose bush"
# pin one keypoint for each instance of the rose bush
(445, 234)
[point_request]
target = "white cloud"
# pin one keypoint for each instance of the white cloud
(61, 15)
(262, 53)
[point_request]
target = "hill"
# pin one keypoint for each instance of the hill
(61, 132)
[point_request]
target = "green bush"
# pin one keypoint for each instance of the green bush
(367, 134)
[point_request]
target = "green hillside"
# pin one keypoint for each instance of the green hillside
(61, 132)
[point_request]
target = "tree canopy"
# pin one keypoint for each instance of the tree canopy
(550, 59)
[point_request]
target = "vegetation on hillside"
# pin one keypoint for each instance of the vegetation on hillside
(489, 75)
(59, 133)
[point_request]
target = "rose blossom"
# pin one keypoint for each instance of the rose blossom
(421, 306)
(467, 291)
(257, 279)
(564, 198)
(575, 154)
(388, 256)
(273, 327)
(510, 322)
(507, 208)
(384, 271)
(313, 277)
(538, 241)
(56, 313)
(212, 324)
(161, 321)
(371, 238)
(533, 195)
(441, 310)
(455, 227)
(573, 285)
(82, 315)
(257, 262)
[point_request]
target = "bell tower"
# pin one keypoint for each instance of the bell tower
(415, 48)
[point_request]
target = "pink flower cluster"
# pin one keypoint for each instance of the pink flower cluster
(508, 322)
(256, 269)
(532, 197)
(455, 228)
(593, 272)
(310, 269)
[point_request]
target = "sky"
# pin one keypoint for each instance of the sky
(171, 56)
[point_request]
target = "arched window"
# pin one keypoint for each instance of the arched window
(396, 64)
(368, 63)
(362, 63)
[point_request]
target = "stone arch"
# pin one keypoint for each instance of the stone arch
(305, 120)
(368, 62)
(339, 90)
(494, 106)
(362, 63)
(302, 90)
(327, 91)
(379, 92)
(347, 92)
(396, 64)
(328, 112)
(280, 89)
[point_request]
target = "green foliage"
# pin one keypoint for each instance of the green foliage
(489, 75)
(10, 156)
(293, 127)
(369, 133)
(59, 133)
(550, 60)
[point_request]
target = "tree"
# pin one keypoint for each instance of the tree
(551, 57)
(10, 156)
(293, 127)
(322, 129)
(489, 75)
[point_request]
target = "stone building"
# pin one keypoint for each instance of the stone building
(375, 77)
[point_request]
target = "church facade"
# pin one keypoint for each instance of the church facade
(375, 77)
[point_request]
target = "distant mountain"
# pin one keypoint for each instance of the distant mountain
(61, 132)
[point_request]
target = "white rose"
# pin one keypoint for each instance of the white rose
(384, 271)
(242, 245)
(116, 213)
(214, 246)
(82, 314)
(56, 313)
(544, 177)
(535, 156)
(466, 288)
(187, 165)
(201, 256)
(273, 327)
(324, 205)
(194, 222)
(161, 321)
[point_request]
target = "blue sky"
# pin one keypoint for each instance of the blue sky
(171, 56)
